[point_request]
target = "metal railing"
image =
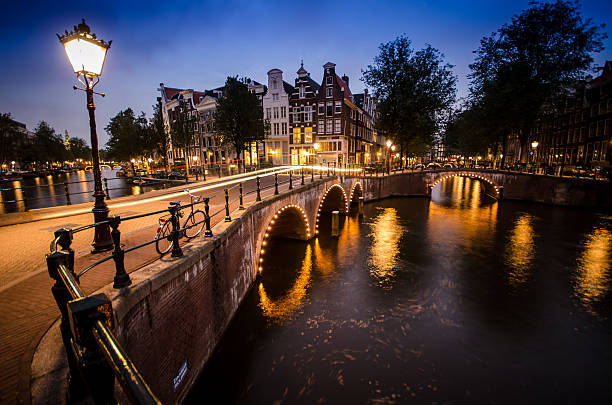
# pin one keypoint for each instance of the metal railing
(95, 357)
(64, 190)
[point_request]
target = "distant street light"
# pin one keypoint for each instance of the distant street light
(87, 54)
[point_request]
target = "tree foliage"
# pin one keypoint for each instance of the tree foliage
(78, 149)
(157, 137)
(413, 90)
(239, 119)
(47, 146)
(527, 64)
(127, 133)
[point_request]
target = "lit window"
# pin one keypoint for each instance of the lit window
(308, 135)
(296, 136)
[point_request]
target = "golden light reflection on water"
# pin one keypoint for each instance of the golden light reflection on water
(386, 234)
(285, 307)
(520, 250)
(593, 278)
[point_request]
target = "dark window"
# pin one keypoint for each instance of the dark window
(330, 111)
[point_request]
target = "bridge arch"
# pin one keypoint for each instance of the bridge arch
(333, 199)
(356, 192)
(488, 181)
(290, 221)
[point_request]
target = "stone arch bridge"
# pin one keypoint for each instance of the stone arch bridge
(176, 310)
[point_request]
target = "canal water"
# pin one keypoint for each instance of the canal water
(49, 191)
(459, 300)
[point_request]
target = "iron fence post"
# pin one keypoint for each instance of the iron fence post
(290, 179)
(95, 370)
(275, 183)
(68, 202)
(258, 198)
(302, 177)
(122, 279)
(174, 212)
(207, 232)
(76, 387)
(241, 206)
(227, 212)
(312, 175)
(106, 188)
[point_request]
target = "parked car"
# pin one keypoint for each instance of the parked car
(176, 175)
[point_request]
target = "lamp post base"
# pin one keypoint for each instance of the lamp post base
(102, 238)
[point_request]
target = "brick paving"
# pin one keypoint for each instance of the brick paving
(27, 308)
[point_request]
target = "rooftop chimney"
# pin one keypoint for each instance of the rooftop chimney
(345, 79)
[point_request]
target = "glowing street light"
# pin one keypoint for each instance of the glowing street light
(87, 54)
(534, 144)
(389, 144)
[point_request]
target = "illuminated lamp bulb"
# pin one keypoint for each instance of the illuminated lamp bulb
(263, 251)
(260, 260)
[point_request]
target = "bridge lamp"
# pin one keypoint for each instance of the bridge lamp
(393, 148)
(534, 144)
(87, 54)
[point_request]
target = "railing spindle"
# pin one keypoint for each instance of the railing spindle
(227, 212)
(122, 279)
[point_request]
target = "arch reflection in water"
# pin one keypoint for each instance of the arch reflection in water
(520, 250)
(386, 234)
(593, 275)
(284, 307)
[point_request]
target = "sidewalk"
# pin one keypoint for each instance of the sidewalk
(27, 307)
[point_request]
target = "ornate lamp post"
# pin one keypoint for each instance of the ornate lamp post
(87, 55)
(316, 147)
(534, 146)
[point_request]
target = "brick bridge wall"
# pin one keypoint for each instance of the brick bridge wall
(177, 309)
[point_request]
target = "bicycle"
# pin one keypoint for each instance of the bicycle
(192, 226)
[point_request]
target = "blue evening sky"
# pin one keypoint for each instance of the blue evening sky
(197, 44)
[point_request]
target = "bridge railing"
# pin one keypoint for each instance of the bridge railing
(94, 355)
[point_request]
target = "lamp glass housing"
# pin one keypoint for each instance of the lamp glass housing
(86, 55)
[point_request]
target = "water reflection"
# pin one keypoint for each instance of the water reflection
(285, 307)
(520, 250)
(593, 277)
(386, 234)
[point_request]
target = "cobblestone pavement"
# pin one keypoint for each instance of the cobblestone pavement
(27, 308)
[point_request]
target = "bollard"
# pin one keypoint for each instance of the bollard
(429, 188)
(106, 188)
(207, 231)
(241, 206)
(25, 203)
(219, 171)
(290, 179)
(312, 175)
(258, 198)
(122, 279)
(227, 213)
(275, 183)
(302, 177)
(68, 202)
(360, 206)
(174, 209)
(335, 223)
(327, 169)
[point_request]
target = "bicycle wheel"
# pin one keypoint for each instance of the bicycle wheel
(163, 242)
(194, 224)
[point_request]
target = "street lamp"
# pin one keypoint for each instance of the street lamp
(87, 54)
(316, 147)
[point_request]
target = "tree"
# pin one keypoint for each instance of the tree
(182, 130)
(47, 147)
(9, 140)
(413, 90)
(532, 61)
(239, 119)
(126, 133)
(79, 149)
(157, 138)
